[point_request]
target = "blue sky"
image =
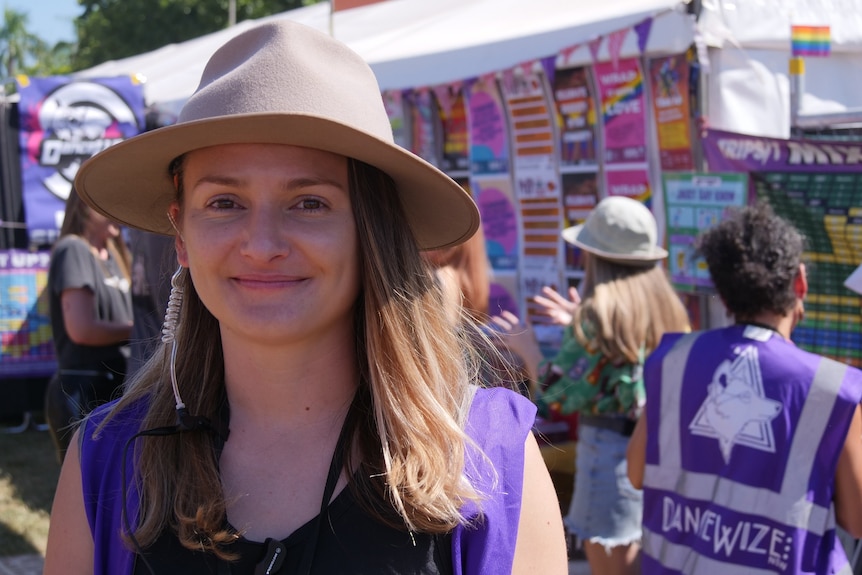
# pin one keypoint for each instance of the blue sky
(51, 20)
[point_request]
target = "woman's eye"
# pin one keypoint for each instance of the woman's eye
(311, 204)
(221, 204)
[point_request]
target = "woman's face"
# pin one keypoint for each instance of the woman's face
(268, 234)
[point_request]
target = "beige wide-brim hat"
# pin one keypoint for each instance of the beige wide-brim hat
(619, 229)
(278, 83)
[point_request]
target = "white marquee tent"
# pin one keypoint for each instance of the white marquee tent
(414, 43)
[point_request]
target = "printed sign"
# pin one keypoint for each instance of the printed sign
(621, 92)
(489, 148)
(26, 344)
(671, 110)
(64, 122)
(693, 203)
(574, 100)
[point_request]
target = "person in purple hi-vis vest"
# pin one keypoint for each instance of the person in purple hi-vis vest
(750, 451)
(336, 422)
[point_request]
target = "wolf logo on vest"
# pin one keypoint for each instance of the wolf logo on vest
(736, 410)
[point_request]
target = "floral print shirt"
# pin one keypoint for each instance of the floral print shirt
(579, 380)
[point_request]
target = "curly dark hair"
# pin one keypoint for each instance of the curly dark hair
(753, 257)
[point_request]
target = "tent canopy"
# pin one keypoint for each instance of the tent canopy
(415, 43)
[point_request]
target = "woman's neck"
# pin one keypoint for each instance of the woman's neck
(288, 384)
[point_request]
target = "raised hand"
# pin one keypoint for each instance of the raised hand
(559, 309)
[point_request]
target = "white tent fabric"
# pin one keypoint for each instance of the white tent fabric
(414, 43)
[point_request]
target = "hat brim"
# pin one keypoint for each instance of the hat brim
(572, 235)
(130, 184)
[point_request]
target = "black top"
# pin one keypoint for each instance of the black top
(350, 542)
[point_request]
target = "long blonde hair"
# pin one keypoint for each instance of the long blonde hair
(626, 309)
(415, 390)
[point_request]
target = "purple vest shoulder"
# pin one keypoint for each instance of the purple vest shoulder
(744, 431)
(498, 422)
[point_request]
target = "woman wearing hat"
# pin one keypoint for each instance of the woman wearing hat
(628, 303)
(311, 411)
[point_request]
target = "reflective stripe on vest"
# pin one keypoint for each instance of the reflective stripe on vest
(789, 507)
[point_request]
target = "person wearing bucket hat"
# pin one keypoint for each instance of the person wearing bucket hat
(310, 409)
(743, 426)
(628, 303)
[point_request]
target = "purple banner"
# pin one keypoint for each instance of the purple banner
(26, 345)
(730, 152)
(64, 122)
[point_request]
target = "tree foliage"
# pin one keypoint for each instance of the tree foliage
(113, 29)
(22, 52)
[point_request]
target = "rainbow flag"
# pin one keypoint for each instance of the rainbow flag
(810, 40)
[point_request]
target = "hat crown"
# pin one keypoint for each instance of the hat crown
(619, 229)
(284, 67)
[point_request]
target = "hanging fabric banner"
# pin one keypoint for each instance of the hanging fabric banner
(672, 111)
(572, 94)
(423, 118)
(393, 101)
(64, 122)
(621, 93)
(25, 321)
(450, 99)
(489, 147)
(537, 190)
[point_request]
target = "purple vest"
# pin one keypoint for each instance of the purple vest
(744, 434)
(499, 422)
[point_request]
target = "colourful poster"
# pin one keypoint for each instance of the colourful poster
(393, 101)
(622, 99)
(486, 120)
(694, 203)
(496, 204)
(580, 196)
(577, 116)
(26, 345)
(453, 116)
(672, 112)
(537, 186)
(64, 122)
(423, 121)
(530, 121)
(632, 183)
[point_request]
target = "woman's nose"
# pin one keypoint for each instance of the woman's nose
(266, 234)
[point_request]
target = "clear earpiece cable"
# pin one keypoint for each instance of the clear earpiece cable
(169, 329)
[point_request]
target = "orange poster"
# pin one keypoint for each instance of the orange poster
(672, 111)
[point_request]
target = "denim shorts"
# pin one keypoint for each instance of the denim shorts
(605, 508)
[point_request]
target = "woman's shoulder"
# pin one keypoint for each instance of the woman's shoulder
(71, 242)
(110, 425)
(498, 414)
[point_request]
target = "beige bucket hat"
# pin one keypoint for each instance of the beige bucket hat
(278, 83)
(619, 229)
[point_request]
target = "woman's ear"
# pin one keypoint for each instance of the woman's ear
(179, 241)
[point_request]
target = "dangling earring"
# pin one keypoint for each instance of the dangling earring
(169, 330)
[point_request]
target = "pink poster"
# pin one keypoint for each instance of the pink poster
(496, 204)
(631, 183)
(489, 150)
(621, 92)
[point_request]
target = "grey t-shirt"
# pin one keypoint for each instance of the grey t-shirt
(73, 266)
